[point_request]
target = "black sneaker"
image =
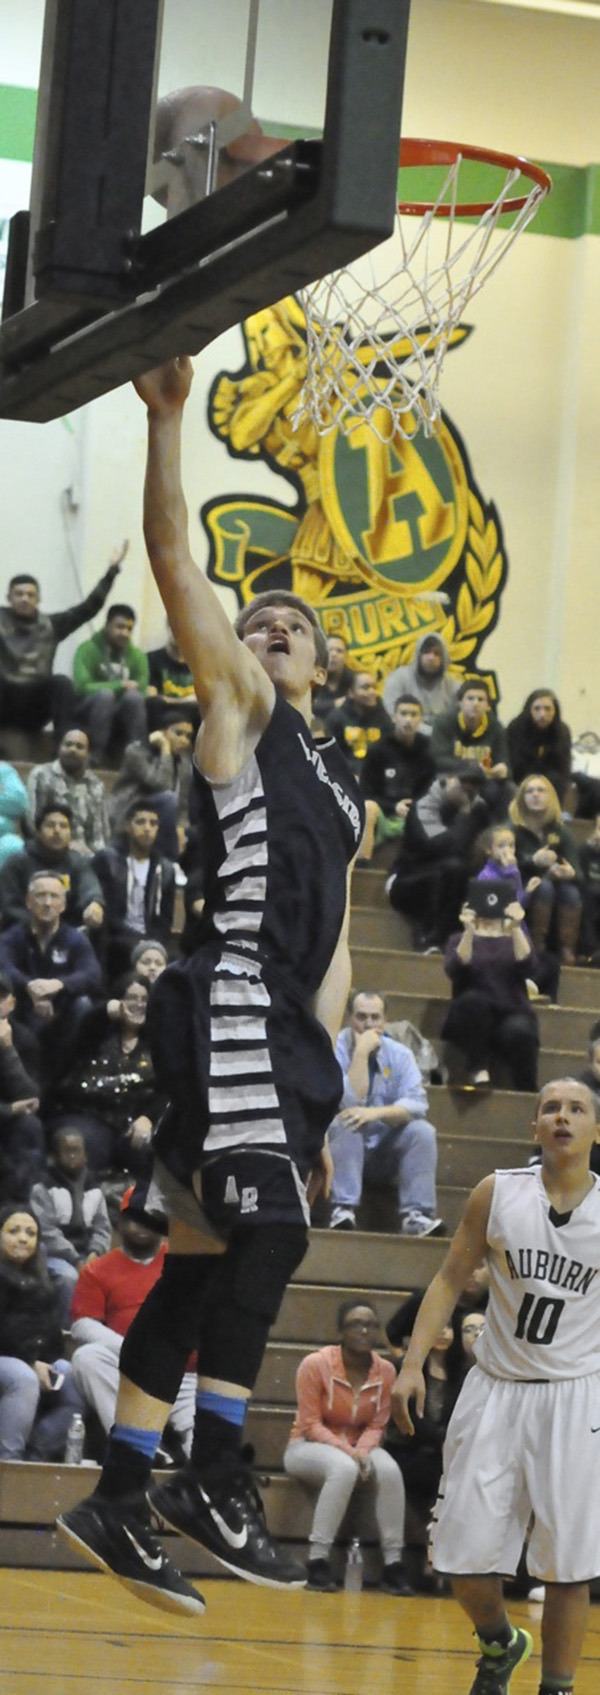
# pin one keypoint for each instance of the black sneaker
(223, 1512)
(115, 1535)
(394, 1580)
(320, 1576)
(494, 1670)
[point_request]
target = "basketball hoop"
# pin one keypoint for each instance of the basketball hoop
(378, 333)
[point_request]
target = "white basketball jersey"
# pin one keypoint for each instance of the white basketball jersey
(543, 1317)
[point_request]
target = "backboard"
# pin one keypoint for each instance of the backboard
(93, 296)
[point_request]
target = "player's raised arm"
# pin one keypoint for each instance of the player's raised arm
(467, 1249)
(217, 659)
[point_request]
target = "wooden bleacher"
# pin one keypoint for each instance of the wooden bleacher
(475, 1133)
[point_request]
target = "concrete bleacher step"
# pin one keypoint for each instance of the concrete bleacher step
(394, 971)
(489, 1113)
(308, 1312)
(360, 1259)
(559, 1026)
(375, 929)
(427, 1011)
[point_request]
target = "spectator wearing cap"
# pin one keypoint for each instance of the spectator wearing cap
(51, 966)
(111, 678)
(138, 887)
(148, 960)
(427, 677)
(30, 693)
(158, 770)
(51, 851)
(107, 1297)
(72, 1214)
(470, 730)
(68, 781)
(430, 875)
(488, 964)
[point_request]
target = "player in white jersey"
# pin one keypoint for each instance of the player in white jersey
(524, 1438)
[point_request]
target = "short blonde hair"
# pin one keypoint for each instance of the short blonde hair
(518, 810)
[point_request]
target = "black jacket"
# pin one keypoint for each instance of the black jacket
(29, 1316)
(394, 772)
(544, 753)
(110, 865)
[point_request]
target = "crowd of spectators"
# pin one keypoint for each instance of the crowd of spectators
(95, 841)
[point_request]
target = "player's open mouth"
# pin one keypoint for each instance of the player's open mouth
(563, 1136)
(279, 644)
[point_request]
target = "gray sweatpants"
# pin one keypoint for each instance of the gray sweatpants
(336, 1475)
(96, 1373)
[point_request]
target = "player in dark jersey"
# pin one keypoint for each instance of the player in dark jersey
(242, 1036)
(523, 1438)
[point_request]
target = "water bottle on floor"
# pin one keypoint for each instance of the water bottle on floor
(75, 1441)
(353, 1575)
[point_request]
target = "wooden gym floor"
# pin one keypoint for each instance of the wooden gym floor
(69, 1633)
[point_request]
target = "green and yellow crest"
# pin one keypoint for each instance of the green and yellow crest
(388, 539)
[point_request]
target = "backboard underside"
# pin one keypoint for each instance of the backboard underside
(90, 300)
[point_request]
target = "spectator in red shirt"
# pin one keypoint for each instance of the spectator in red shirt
(107, 1297)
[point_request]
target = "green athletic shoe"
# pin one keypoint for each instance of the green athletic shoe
(494, 1671)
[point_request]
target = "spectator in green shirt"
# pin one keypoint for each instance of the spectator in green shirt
(111, 679)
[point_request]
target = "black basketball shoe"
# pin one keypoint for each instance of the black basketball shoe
(116, 1536)
(222, 1511)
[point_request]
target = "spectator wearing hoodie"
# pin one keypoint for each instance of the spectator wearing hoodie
(426, 677)
(29, 691)
(72, 1215)
(138, 887)
(539, 743)
(429, 879)
(470, 730)
(111, 678)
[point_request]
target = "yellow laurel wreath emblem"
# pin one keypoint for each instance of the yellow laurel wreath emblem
(476, 602)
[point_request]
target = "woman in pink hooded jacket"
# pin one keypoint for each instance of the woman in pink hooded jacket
(344, 1401)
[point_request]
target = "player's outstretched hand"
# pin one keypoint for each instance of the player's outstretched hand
(409, 1386)
(165, 390)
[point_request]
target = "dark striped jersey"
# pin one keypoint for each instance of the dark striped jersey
(234, 1039)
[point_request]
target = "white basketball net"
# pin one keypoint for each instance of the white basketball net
(375, 352)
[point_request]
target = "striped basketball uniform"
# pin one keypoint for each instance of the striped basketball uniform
(249, 1071)
(524, 1437)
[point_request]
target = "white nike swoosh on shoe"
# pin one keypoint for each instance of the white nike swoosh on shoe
(154, 1563)
(235, 1538)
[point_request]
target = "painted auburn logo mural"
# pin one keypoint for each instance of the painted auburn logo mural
(376, 527)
